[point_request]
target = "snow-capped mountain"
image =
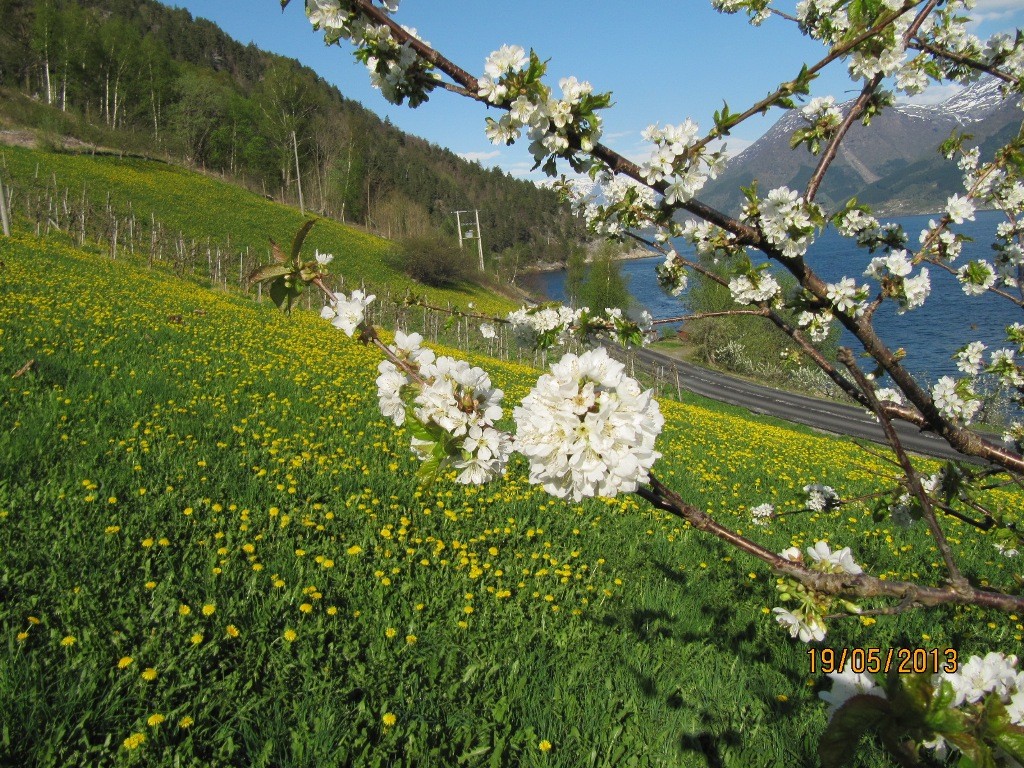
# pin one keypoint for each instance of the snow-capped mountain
(892, 165)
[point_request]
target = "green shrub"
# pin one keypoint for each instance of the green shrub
(433, 260)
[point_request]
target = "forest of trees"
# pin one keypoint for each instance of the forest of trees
(138, 68)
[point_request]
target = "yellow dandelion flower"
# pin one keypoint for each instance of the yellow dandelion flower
(332, 610)
(184, 610)
(389, 719)
(290, 635)
(544, 746)
(232, 630)
(147, 543)
(134, 741)
(410, 639)
(390, 632)
(149, 674)
(197, 638)
(186, 722)
(124, 662)
(150, 585)
(355, 549)
(306, 608)
(21, 637)
(154, 720)
(209, 609)
(68, 641)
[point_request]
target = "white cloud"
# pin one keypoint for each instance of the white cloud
(934, 94)
(617, 135)
(479, 157)
(995, 10)
(524, 170)
(733, 145)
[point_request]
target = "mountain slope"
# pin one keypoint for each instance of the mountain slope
(892, 164)
(136, 73)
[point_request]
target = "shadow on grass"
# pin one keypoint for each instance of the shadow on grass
(709, 745)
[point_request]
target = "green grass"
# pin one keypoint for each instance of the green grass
(236, 460)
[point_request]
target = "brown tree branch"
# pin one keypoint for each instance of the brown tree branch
(832, 149)
(858, 108)
(925, 47)
(913, 480)
(839, 584)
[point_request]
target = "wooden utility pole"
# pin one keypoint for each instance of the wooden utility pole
(298, 176)
(472, 234)
(5, 216)
(479, 240)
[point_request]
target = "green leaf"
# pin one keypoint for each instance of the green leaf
(498, 754)
(279, 294)
(943, 698)
(300, 236)
(429, 470)
(537, 67)
(725, 120)
(1010, 739)
(851, 721)
(416, 428)
(799, 137)
(276, 253)
(268, 271)
(974, 753)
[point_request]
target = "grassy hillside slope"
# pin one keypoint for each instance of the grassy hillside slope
(200, 207)
(214, 553)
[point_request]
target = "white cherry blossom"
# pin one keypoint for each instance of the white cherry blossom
(587, 429)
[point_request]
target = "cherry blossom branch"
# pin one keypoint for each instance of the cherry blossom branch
(991, 289)
(789, 88)
(925, 47)
(706, 315)
(829, 155)
(840, 584)
(913, 480)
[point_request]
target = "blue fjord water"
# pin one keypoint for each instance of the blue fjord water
(930, 334)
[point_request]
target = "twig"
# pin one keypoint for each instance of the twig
(24, 369)
(859, 585)
(913, 480)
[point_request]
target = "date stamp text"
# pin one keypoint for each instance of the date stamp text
(903, 661)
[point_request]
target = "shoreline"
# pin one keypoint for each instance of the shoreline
(555, 266)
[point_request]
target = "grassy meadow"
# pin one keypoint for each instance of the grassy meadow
(213, 552)
(199, 207)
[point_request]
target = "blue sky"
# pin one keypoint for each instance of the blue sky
(663, 60)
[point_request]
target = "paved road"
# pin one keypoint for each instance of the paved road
(824, 415)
